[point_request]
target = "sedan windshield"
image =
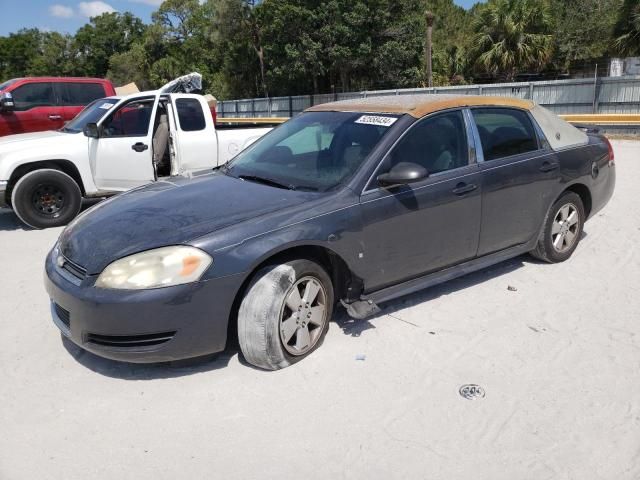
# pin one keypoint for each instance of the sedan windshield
(92, 113)
(315, 151)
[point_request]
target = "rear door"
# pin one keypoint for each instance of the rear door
(519, 171)
(195, 141)
(426, 226)
(36, 109)
(74, 96)
(121, 158)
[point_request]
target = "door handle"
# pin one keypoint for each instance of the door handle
(139, 147)
(464, 188)
(55, 117)
(549, 166)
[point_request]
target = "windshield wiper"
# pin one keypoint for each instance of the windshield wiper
(266, 181)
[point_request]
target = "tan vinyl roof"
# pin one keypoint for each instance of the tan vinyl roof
(418, 105)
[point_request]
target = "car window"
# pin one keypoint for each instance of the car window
(130, 120)
(309, 139)
(315, 150)
(438, 143)
(33, 95)
(80, 94)
(504, 132)
(190, 114)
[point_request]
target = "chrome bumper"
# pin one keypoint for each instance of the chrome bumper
(3, 189)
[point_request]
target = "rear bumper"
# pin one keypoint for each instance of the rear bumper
(3, 192)
(143, 326)
(602, 189)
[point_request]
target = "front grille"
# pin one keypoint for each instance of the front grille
(63, 315)
(130, 341)
(74, 269)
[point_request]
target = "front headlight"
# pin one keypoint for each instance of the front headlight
(162, 267)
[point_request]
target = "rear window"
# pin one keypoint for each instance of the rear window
(80, 94)
(190, 114)
(32, 95)
(504, 132)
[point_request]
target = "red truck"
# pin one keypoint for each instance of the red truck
(36, 104)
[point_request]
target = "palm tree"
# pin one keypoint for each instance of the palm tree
(511, 36)
(627, 30)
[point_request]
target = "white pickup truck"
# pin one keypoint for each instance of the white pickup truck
(114, 144)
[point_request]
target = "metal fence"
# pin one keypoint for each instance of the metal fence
(602, 95)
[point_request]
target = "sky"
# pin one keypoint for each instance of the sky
(69, 15)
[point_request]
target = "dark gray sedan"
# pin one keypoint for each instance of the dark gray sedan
(354, 202)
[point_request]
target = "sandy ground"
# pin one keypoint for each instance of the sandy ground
(559, 359)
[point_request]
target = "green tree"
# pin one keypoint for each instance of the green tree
(104, 36)
(512, 36)
(582, 29)
(18, 51)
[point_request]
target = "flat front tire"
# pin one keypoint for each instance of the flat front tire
(284, 314)
(561, 230)
(46, 198)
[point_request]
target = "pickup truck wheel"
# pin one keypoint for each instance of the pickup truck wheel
(46, 198)
(285, 314)
(562, 229)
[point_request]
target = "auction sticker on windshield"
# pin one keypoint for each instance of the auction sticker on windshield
(376, 120)
(107, 106)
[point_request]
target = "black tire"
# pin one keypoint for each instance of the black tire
(46, 198)
(264, 311)
(545, 249)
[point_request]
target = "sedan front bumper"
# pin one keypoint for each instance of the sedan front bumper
(142, 326)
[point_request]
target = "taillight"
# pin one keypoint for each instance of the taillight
(214, 114)
(611, 154)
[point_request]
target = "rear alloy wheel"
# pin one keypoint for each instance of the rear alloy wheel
(562, 229)
(285, 314)
(46, 198)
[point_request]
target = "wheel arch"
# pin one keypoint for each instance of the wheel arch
(584, 193)
(345, 283)
(64, 166)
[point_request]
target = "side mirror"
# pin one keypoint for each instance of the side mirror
(402, 174)
(91, 130)
(6, 102)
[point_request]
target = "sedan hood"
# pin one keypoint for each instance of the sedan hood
(169, 212)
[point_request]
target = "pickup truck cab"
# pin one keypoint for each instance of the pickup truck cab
(36, 104)
(113, 145)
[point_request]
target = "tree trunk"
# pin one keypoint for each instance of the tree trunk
(428, 59)
(260, 52)
(430, 18)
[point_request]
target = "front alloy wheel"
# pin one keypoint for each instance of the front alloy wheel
(285, 313)
(303, 316)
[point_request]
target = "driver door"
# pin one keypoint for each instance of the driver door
(121, 158)
(415, 229)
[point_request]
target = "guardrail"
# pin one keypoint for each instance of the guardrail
(602, 95)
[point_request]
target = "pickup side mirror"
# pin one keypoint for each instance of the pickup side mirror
(91, 130)
(6, 102)
(402, 174)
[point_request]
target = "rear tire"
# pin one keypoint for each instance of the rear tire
(285, 314)
(561, 230)
(46, 198)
